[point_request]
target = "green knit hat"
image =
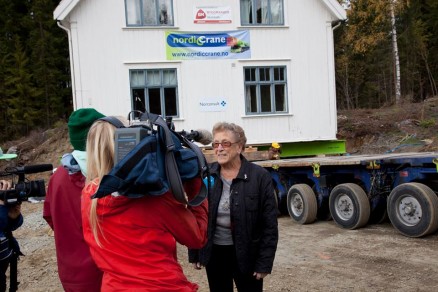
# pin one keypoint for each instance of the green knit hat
(79, 123)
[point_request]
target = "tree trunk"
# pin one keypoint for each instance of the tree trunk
(395, 54)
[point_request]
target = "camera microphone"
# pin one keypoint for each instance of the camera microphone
(201, 136)
(33, 168)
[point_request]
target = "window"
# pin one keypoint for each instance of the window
(261, 12)
(155, 91)
(265, 90)
(149, 12)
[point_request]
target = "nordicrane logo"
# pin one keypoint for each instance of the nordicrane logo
(197, 40)
(201, 14)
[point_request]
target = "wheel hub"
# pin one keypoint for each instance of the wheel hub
(344, 207)
(409, 210)
(297, 205)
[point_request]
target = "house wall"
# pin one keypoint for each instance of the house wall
(104, 50)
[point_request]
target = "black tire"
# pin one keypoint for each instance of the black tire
(349, 206)
(412, 209)
(301, 204)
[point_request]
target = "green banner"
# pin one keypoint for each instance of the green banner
(202, 46)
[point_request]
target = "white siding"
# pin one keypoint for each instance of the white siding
(104, 50)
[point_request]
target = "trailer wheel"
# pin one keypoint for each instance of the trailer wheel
(412, 209)
(349, 206)
(301, 204)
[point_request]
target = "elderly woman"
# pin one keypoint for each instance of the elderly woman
(242, 224)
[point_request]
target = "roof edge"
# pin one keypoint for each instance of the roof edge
(64, 8)
(336, 8)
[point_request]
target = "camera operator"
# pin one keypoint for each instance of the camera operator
(10, 220)
(134, 240)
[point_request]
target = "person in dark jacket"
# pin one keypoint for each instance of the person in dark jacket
(242, 226)
(10, 220)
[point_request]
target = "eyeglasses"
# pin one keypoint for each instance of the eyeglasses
(225, 144)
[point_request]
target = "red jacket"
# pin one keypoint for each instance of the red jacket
(139, 238)
(62, 211)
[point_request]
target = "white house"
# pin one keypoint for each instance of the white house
(267, 65)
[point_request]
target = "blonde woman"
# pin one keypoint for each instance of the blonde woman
(133, 241)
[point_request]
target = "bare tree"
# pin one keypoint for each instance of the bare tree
(395, 53)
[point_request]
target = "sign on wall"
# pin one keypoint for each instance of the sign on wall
(213, 105)
(212, 14)
(204, 45)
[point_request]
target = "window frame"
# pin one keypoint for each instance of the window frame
(162, 86)
(171, 22)
(272, 86)
(254, 12)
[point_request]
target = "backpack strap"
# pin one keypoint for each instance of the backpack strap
(205, 172)
(113, 121)
(172, 172)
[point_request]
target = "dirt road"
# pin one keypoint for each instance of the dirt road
(316, 257)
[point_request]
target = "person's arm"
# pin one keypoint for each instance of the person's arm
(47, 213)
(269, 225)
(4, 185)
(15, 217)
(188, 224)
(3, 216)
(10, 215)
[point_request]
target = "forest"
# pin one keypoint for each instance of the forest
(386, 53)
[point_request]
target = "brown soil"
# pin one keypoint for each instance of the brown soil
(316, 257)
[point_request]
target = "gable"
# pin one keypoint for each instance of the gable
(336, 9)
(66, 6)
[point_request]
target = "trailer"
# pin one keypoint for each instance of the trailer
(356, 190)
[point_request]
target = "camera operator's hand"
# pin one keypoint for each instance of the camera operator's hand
(14, 211)
(197, 266)
(4, 185)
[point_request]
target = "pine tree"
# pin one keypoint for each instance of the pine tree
(49, 61)
(34, 67)
(23, 110)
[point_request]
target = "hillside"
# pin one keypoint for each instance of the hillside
(409, 127)
(406, 128)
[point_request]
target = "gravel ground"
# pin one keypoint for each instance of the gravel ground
(316, 257)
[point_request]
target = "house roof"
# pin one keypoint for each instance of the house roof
(66, 6)
(336, 8)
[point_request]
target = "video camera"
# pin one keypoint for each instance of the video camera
(126, 138)
(152, 158)
(24, 189)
